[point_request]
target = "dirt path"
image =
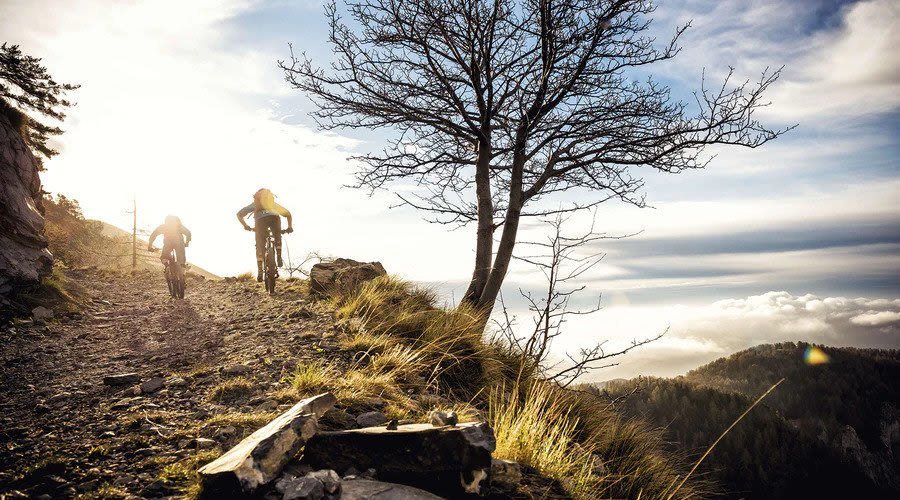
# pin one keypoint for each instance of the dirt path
(63, 433)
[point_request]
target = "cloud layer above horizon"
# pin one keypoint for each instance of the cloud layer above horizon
(182, 106)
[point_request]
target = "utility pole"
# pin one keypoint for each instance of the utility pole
(134, 235)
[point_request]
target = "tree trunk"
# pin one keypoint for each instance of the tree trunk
(484, 246)
(508, 238)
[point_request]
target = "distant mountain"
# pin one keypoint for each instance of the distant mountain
(831, 430)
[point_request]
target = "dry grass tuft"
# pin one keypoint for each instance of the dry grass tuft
(415, 350)
(241, 420)
(313, 377)
(363, 341)
(233, 390)
(182, 476)
(538, 429)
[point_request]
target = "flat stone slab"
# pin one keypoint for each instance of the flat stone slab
(122, 379)
(261, 456)
(364, 489)
(448, 460)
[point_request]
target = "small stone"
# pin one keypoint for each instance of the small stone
(236, 370)
(440, 418)
(225, 432)
(176, 382)
(267, 405)
(42, 314)
(329, 479)
(505, 475)
(122, 379)
(152, 385)
(58, 397)
(392, 425)
(204, 443)
(306, 488)
(371, 419)
(120, 404)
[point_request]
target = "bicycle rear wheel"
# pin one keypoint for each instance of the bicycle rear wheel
(270, 271)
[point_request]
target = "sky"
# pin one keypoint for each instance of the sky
(182, 108)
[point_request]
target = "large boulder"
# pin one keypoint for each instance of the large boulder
(342, 276)
(450, 461)
(364, 489)
(261, 456)
(24, 258)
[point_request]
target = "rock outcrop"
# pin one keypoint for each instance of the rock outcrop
(342, 276)
(24, 258)
(448, 460)
(261, 456)
(364, 489)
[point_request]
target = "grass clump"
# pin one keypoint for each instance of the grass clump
(107, 491)
(315, 376)
(182, 476)
(363, 341)
(450, 340)
(537, 429)
(242, 420)
(233, 390)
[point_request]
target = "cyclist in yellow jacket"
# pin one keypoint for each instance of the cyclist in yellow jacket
(267, 216)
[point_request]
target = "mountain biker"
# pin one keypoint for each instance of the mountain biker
(175, 237)
(266, 216)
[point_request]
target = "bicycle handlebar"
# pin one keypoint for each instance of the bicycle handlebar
(283, 231)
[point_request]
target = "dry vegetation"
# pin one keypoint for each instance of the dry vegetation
(417, 356)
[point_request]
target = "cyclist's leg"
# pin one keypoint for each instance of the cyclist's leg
(179, 253)
(276, 232)
(165, 253)
(260, 229)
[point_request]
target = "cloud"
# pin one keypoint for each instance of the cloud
(873, 318)
(850, 72)
(840, 60)
(700, 334)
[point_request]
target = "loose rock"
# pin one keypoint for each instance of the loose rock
(260, 457)
(330, 480)
(122, 379)
(364, 489)
(152, 385)
(505, 475)
(342, 276)
(448, 460)
(371, 419)
(440, 418)
(307, 488)
(42, 314)
(236, 370)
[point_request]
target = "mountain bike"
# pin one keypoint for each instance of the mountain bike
(174, 272)
(270, 264)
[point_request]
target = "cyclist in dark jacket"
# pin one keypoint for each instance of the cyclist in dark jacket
(267, 216)
(175, 237)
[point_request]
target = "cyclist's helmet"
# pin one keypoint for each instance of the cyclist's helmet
(172, 220)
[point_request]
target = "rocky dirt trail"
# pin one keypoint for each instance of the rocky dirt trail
(65, 433)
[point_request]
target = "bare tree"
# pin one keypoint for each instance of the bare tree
(563, 260)
(500, 104)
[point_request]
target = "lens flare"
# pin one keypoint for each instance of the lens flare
(815, 356)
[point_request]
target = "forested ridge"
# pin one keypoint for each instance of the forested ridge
(801, 441)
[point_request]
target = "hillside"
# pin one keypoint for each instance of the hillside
(79, 242)
(147, 260)
(213, 368)
(829, 430)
